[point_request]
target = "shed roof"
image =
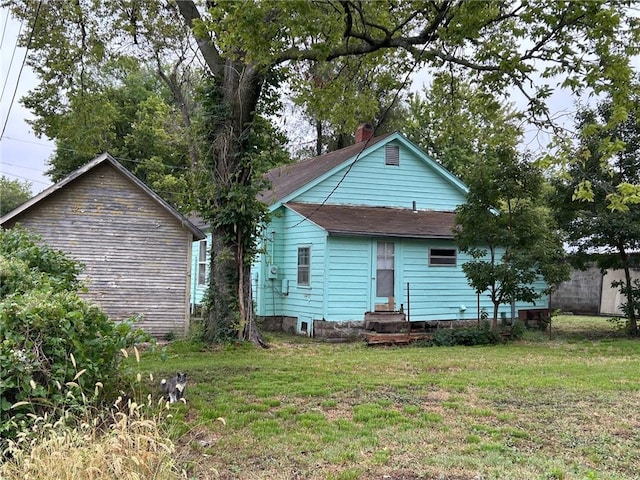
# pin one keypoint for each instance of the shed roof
(377, 221)
(108, 159)
(288, 178)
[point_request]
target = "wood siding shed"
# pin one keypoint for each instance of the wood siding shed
(136, 248)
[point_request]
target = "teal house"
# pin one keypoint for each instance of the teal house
(200, 265)
(364, 229)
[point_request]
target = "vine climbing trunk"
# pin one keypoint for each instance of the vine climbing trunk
(228, 205)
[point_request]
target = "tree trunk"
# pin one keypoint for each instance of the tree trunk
(239, 85)
(221, 303)
(230, 312)
(632, 301)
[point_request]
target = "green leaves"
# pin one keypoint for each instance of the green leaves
(49, 336)
(13, 193)
(509, 233)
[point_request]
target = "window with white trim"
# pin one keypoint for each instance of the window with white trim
(443, 257)
(304, 266)
(385, 269)
(202, 262)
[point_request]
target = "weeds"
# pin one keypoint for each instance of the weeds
(128, 440)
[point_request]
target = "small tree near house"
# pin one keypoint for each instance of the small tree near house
(508, 232)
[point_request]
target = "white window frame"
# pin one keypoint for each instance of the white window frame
(202, 262)
(304, 268)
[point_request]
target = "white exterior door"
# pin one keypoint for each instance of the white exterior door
(384, 275)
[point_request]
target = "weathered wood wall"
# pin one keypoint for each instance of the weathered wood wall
(137, 256)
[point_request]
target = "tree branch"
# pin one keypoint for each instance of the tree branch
(212, 57)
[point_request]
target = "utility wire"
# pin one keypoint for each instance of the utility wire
(29, 179)
(364, 147)
(4, 28)
(67, 149)
(15, 90)
(13, 54)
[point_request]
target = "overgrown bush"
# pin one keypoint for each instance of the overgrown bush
(517, 330)
(477, 335)
(49, 336)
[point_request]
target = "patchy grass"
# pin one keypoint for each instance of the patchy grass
(563, 407)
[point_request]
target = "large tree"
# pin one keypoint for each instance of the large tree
(599, 231)
(247, 45)
(368, 93)
(128, 111)
(459, 124)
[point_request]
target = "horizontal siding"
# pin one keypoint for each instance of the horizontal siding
(349, 278)
(438, 292)
(136, 255)
(371, 182)
(268, 292)
(302, 301)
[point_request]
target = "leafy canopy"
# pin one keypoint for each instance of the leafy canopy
(605, 226)
(508, 232)
(13, 193)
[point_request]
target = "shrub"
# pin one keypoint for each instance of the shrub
(517, 330)
(49, 336)
(477, 335)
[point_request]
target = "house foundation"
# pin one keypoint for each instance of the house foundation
(355, 330)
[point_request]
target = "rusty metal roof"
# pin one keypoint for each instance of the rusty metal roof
(288, 178)
(378, 221)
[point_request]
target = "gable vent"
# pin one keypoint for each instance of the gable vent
(392, 155)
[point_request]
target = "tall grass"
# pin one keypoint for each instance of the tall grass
(127, 441)
(555, 405)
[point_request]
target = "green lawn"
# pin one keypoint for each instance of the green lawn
(541, 408)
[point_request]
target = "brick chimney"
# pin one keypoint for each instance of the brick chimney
(364, 132)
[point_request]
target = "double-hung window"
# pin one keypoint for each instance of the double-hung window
(202, 262)
(304, 266)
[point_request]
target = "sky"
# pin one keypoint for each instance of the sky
(23, 156)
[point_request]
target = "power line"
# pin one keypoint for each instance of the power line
(72, 150)
(27, 178)
(7, 137)
(4, 28)
(24, 59)
(381, 119)
(22, 166)
(13, 54)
